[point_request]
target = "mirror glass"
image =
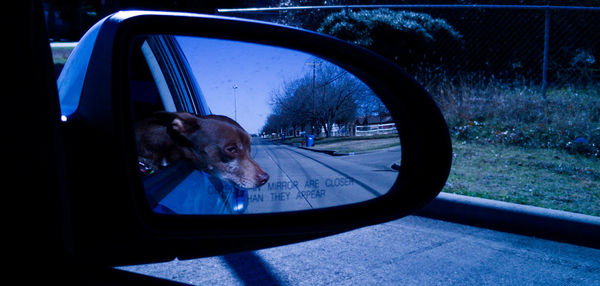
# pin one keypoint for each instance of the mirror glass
(227, 127)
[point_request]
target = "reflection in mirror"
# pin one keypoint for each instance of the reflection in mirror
(226, 127)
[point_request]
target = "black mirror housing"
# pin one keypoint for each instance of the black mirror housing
(111, 222)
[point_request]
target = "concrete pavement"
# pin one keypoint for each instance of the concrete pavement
(409, 251)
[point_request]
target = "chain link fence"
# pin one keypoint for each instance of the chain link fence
(507, 42)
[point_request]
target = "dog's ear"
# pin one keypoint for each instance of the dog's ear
(181, 122)
(184, 123)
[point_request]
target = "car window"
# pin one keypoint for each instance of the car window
(158, 77)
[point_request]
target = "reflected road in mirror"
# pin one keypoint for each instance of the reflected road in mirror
(305, 179)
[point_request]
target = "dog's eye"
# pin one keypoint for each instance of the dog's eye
(231, 149)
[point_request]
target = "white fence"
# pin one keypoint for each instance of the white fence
(375, 129)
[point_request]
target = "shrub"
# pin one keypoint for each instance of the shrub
(409, 39)
(515, 114)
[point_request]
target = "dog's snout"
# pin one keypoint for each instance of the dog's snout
(262, 178)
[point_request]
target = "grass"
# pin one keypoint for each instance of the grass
(61, 52)
(355, 146)
(350, 144)
(547, 178)
(510, 144)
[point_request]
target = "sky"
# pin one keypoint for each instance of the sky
(256, 70)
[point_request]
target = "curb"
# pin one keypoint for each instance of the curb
(328, 152)
(539, 222)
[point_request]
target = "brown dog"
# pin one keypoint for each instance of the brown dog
(216, 144)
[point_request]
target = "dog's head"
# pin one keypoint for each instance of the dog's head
(217, 145)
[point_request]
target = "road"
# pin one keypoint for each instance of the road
(302, 179)
(409, 251)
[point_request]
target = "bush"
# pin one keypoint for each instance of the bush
(515, 114)
(409, 39)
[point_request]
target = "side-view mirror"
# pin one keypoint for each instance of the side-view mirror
(192, 135)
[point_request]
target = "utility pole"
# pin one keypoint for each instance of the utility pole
(546, 52)
(235, 101)
(314, 65)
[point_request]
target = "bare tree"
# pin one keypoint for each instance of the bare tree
(320, 99)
